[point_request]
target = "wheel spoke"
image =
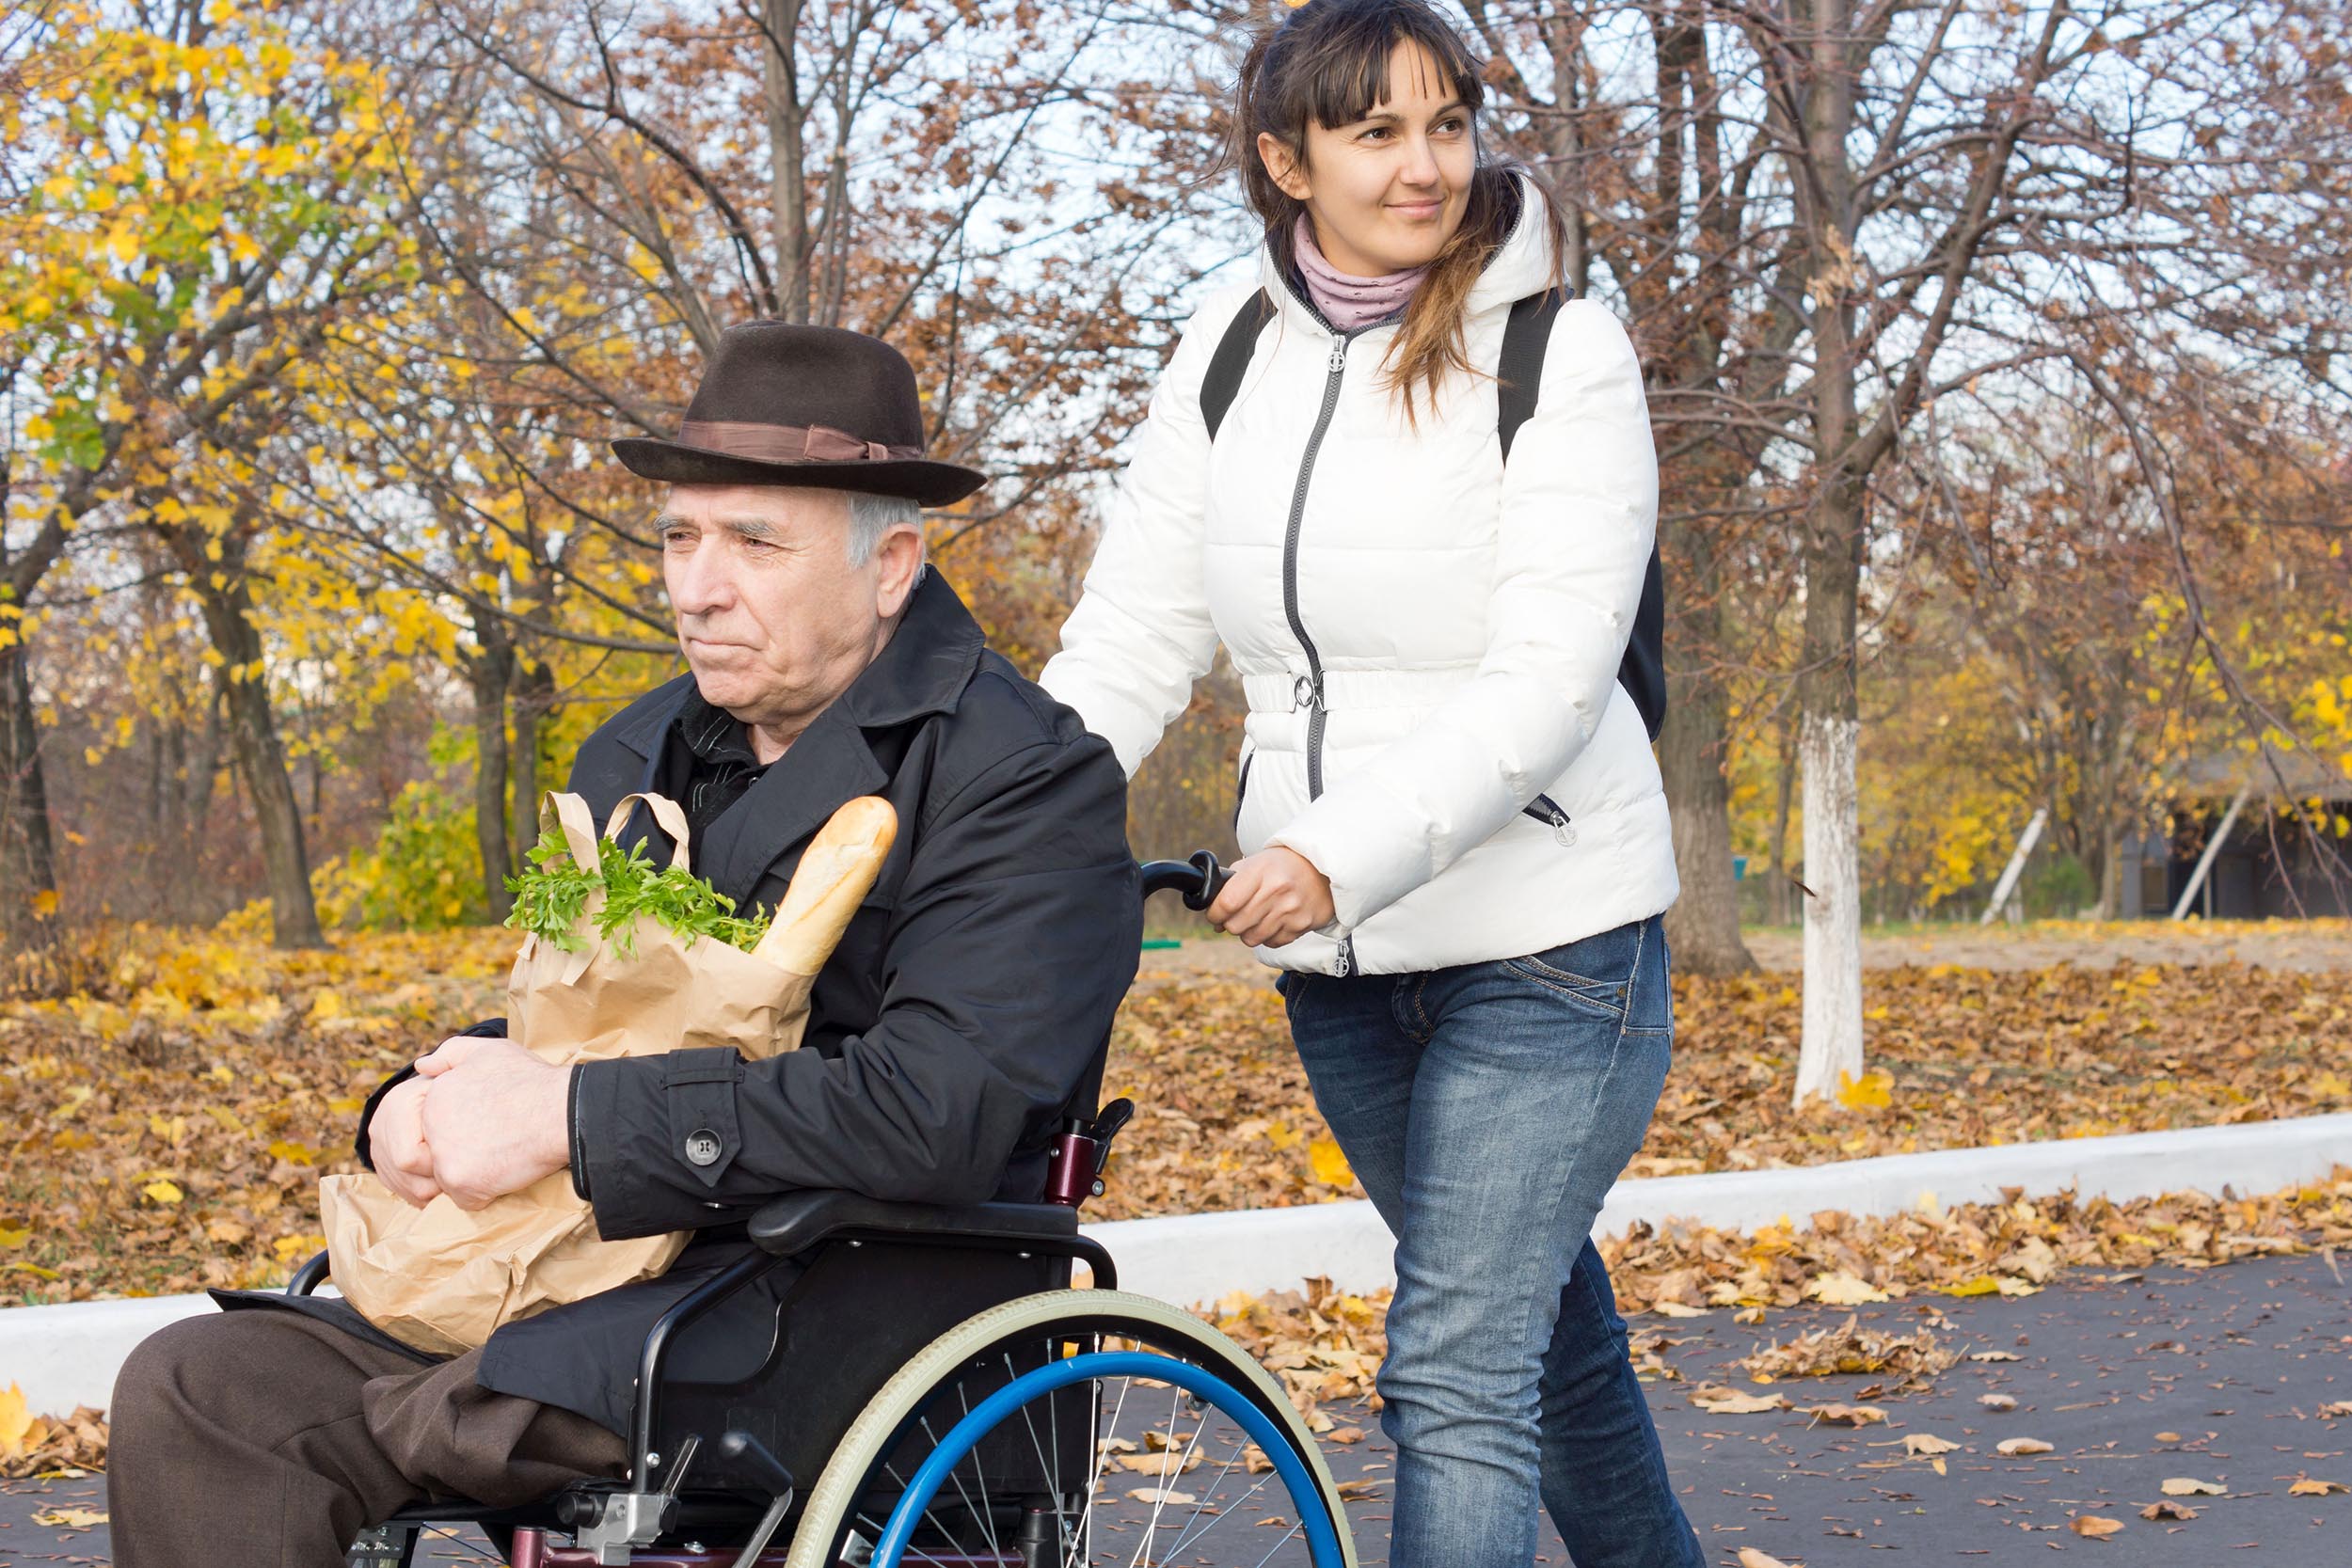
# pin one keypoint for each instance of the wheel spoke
(937, 1522)
(1102, 1460)
(1049, 1468)
(988, 1528)
(1226, 1469)
(1159, 1501)
(1285, 1541)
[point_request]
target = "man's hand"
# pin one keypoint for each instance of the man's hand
(1272, 898)
(396, 1143)
(493, 1118)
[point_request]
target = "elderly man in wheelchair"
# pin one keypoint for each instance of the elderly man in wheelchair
(869, 1353)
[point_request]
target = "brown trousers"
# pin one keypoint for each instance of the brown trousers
(262, 1439)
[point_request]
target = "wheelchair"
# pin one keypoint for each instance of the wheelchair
(983, 1414)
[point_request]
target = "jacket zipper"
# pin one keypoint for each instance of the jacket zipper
(1546, 810)
(1308, 691)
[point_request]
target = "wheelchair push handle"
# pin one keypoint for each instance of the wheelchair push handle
(1198, 879)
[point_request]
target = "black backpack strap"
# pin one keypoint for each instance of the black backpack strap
(1231, 360)
(1520, 372)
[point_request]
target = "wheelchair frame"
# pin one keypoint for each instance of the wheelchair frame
(861, 1260)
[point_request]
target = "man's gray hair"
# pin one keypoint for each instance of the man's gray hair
(871, 516)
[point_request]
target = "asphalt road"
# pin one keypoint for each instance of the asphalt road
(2215, 1376)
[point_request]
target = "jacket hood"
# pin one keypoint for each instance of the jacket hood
(1523, 266)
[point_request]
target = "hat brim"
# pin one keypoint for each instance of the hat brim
(914, 478)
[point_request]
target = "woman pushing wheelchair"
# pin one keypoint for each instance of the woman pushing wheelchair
(1410, 487)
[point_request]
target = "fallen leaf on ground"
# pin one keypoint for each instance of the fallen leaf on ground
(1842, 1289)
(1928, 1443)
(1849, 1348)
(2338, 1410)
(1161, 1496)
(1997, 1401)
(1329, 1165)
(1356, 1491)
(2189, 1486)
(32, 1445)
(1846, 1414)
(1990, 1355)
(2015, 1445)
(2093, 1526)
(1679, 1309)
(2306, 1487)
(2167, 1510)
(68, 1518)
(2167, 1437)
(1155, 1463)
(15, 1420)
(1717, 1399)
(1750, 1558)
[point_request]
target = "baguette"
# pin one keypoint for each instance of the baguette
(835, 873)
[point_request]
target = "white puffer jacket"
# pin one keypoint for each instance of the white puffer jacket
(1474, 783)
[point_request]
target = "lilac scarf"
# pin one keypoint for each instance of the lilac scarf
(1348, 302)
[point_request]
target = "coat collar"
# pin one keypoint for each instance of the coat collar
(923, 670)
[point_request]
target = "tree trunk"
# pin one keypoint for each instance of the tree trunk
(1827, 746)
(535, 697)
(1703, 925)
(1831, 1051)
(1783, 886)
(252, 725)
(28, 863)
(1829, 735)
(2111, 873)
(788, 189)
(204, 765)
(28, 867)
(491, 673)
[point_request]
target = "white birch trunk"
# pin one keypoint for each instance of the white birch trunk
(1832, 1043)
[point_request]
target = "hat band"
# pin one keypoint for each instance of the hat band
(788, 443)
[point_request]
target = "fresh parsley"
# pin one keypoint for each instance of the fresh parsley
(550, 896)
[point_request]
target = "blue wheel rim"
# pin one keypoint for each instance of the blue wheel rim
(1322, 1542)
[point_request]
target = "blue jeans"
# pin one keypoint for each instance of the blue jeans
(1487, 1109)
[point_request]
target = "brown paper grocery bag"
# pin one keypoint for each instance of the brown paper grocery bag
(440, 1279)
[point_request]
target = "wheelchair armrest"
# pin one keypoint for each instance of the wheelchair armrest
(797, 1221)
(307, 1278)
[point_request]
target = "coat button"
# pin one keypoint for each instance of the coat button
(702, 1147)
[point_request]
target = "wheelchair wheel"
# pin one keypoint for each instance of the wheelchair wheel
(1072, 1427)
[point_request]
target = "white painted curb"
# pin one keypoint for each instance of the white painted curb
(68, 1355)
(1201, 1256)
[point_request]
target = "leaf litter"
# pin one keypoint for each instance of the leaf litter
(172, 1115)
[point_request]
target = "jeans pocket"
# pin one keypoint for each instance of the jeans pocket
(1605, 997)
(1599, 972)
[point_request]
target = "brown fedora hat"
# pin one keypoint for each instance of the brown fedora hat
(805, 406)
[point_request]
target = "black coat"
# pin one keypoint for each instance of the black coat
(961, 1017)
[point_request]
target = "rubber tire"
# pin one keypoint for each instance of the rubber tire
(862, 1446)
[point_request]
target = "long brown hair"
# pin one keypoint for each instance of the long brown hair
(1328, 62)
